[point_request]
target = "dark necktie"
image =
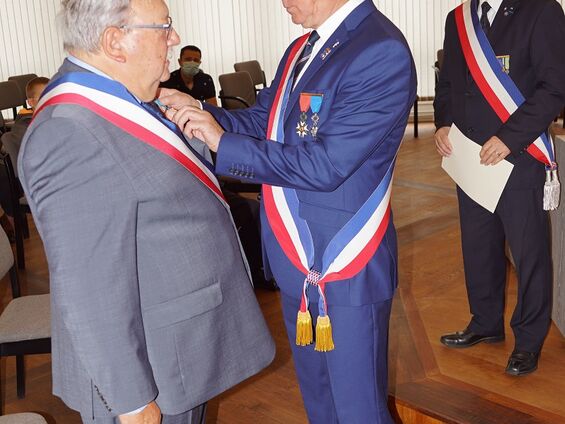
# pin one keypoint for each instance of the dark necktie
(485, 7)
(305, 55)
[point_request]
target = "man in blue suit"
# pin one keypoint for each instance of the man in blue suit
(323, 139)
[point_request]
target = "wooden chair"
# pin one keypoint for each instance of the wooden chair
(25, 324)
(237, 90)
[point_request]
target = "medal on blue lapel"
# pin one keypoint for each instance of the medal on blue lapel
(504, 62)
(302, 126)
(315, 105)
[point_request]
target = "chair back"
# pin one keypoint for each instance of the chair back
(22, 418)
(10, 96)
(237, 90)
(6, 254)
(254, 69)
(22, 81)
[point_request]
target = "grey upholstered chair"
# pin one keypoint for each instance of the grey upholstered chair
(10, 98)
(237, 90)
(23, 418)
(19, 206)
(254, 69)
(25, 324)
(22, 81)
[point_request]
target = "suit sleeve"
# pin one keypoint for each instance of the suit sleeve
(442, 100)
(373, 98)
(86, 210)
(548, 59)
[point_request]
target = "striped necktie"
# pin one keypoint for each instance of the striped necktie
(305, 55)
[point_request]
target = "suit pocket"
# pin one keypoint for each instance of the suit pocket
(324, 215)
(183, 308)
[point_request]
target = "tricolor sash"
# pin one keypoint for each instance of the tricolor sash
(500, 91)
(349, 250)
(112, 101)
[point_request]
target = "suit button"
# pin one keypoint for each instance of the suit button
(468, 94)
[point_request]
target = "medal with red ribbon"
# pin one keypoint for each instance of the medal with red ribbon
(302, 126)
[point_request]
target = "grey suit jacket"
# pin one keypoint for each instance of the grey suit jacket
(150, 292)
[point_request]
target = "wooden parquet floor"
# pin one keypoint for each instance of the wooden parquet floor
(428, 382)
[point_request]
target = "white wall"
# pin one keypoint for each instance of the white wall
(227, 31)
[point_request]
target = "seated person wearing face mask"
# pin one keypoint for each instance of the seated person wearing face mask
(190, 79)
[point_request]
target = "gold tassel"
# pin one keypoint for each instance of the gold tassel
(304, 334)
(324, 339)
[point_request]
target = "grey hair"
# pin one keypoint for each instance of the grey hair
(82, 22)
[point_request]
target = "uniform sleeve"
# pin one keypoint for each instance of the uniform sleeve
(547, 54)
(86, 211)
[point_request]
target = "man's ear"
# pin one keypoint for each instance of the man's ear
(180, 62)
(113, 44)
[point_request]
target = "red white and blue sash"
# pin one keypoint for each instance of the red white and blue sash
(351, 248)
(496, 85)
(112, 101)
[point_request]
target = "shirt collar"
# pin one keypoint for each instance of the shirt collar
(330, 25)
(86, 66)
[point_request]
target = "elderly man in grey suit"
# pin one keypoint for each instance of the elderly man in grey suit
(153, 311)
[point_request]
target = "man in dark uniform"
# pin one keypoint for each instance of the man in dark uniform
(527, 37)
(190, 79)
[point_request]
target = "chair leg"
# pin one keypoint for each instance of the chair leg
(25, 225)
(1, 399)
(19, 231)
(20, 376)
(416, 118)
(20, 255)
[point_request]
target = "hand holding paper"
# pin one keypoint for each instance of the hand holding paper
(483, 184)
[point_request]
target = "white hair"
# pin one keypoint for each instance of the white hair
(82, 22)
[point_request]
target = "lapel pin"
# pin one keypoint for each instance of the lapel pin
(326, 52)
(509, 11)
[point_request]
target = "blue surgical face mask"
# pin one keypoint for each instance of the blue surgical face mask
(190, 69)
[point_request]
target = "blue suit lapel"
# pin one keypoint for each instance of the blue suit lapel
(337, 40)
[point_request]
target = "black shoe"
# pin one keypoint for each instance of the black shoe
(521, 363)
(467, 338)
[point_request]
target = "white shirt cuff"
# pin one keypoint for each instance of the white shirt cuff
(137, 411)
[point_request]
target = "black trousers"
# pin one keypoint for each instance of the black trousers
(520, 220)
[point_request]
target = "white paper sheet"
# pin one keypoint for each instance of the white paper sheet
(483, 184)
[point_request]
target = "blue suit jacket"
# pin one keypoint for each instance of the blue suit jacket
(368, 84)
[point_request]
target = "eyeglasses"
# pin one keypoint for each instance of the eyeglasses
(166, 27)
